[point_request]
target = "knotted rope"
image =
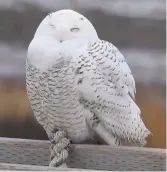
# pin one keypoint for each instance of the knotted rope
(59, 149)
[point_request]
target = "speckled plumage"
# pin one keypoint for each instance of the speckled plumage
(90, 77)
(54, 100)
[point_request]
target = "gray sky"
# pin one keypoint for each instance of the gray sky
(131, 8)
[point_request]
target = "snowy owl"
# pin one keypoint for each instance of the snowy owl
(80, 85)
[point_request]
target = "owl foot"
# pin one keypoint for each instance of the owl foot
(59, 149)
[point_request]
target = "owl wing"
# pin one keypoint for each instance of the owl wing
(129, 79)
(103, 87)
(112, 55)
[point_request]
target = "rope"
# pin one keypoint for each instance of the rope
(59, 159)
(59, 149)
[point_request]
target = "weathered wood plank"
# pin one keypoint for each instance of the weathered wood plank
(36, 152)
(7, 166)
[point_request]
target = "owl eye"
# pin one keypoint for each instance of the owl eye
(52, 26)
(75, 29)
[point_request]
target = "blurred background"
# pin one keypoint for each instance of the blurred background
(137, 28)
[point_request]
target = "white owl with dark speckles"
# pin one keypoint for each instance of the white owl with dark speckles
(81, 84)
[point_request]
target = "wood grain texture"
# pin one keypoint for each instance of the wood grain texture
(112, 158)
(8, 166)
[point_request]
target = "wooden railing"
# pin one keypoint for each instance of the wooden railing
(22, 154)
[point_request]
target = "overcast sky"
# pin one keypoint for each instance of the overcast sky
(131, 8)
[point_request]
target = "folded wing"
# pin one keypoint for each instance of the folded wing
(105, 82)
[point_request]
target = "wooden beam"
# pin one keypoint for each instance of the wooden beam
(8, 166)
(82, 156)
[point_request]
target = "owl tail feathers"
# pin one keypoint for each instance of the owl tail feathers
(142, 132)
(143, 141)
(126, 126)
